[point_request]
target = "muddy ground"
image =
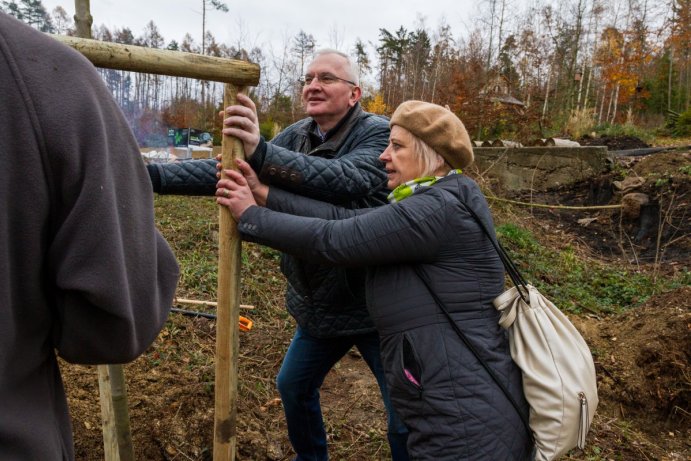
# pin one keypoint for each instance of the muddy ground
(614, 142)
(642, 355)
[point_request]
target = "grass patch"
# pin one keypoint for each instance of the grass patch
(575, 284)
(190, 225)
(626, 129)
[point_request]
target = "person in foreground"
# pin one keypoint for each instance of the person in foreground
(331, 156)
(450, 404)
(84, 272)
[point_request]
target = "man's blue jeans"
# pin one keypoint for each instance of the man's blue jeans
(304, 368)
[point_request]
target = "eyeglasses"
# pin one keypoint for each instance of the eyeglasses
(324, 79)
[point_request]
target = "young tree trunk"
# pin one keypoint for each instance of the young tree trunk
(580, 87)
(587, 88)
(500, 36)
(435, 74)
(493, 6)
(614, 102)
(544, 106)
(602, 104)
(573, 63)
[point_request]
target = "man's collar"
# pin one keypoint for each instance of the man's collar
(320, 133)
(325, 136)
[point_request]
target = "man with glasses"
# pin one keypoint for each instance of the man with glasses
(332, 156)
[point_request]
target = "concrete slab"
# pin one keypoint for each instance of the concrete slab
(540, 168)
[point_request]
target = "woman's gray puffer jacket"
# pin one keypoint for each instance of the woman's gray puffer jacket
(453, 408)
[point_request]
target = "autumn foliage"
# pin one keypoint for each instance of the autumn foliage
(511, 72)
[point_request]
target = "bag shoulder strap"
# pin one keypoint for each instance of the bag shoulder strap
(473, 349)
(511, 269)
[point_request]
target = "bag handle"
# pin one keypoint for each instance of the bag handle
(471, 347)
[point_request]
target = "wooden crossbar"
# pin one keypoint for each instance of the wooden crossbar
(164, 62)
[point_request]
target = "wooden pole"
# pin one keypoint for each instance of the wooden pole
(82, 18)
(164, 62)
(117, 437)
(110, 440)
(228, 309)
(115, 419)
(196, 302)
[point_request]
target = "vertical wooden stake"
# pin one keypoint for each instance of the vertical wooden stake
(117, 437)
(228, 310)
(82, 18)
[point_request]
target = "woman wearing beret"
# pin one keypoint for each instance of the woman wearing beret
(451, 405)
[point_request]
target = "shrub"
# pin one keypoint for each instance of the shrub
(580, 122)
(627, 129)
(682, 126)
(575, 283)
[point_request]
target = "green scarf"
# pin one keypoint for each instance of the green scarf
(407, 189)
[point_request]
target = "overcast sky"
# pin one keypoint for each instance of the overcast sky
(268, 24)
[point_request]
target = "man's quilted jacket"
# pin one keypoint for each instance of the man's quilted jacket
(344, 170)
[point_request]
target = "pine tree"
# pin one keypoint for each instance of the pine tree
(31, 12)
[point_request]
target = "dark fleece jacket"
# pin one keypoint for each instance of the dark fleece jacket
(83, 271)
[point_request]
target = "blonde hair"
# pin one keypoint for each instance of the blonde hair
(428, 159)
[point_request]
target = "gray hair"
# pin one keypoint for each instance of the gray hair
(428, 159)
(350, 68)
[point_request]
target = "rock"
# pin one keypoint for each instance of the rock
(629, 183)
(632, 204)
(585, 221)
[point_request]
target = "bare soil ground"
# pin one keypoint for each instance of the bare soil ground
(614, 142)
(642, 355)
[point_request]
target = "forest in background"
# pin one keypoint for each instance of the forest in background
(568, 69)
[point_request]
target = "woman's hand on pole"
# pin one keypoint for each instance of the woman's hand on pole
(234, 192)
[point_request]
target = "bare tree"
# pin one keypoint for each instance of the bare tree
(216, 5)
(62, 21)
(335, 36)
(362, 59)
(303, 48)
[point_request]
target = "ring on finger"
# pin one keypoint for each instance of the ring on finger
(226, 193)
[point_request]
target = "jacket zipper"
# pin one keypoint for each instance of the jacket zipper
(583, 420)
(408, 376)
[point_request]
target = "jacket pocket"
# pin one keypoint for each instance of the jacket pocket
(411, 365)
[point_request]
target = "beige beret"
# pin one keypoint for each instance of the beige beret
(439, 128)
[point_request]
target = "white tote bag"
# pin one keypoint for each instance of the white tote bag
(558, 371)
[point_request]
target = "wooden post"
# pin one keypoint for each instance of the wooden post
(82, 18)
(227, 334)
(117, 437)
(115, 419)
